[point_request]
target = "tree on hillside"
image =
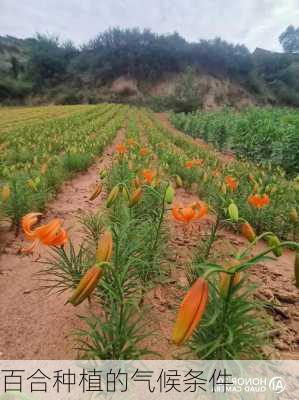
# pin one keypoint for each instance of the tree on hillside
(15, 67)
(136, 53)
(289, 39)
(187, 96)
(49, 60)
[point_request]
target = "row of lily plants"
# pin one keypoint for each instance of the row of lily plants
(36, 159)
(17, 117)
(264, 197)
(219, 317)
(122, 253)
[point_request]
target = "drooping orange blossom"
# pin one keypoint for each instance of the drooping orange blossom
(259, 201)
(50, 234)
(86, 285)
(191, 311)
(90, 279)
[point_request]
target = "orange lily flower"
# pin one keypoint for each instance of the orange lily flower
(143, 151)
(191, 311)
(121, 148)
(184, 214)
(51, 234)
(190, 213)
(149, 175)
(201, 207)
(258, 201)
(189, 164)
(231, 183)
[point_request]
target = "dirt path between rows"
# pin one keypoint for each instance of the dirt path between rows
(275, 278)
(34, 325)
(225, 157)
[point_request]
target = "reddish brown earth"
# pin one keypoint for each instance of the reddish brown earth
(35, 325)
(275, 277)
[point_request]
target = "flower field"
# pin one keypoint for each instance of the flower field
(12, 118)
(164, 248)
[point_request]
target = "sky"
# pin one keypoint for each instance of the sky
(255, 23)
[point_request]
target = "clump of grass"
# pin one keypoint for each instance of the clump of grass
(76, 162)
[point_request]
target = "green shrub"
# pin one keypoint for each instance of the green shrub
(75, 162)
(69, 99)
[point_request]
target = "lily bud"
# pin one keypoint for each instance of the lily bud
(156, 181)
(5, 193)
(97, 192)
(32, 184)
(136, 182)
(86, 285)
(112, 196)
(297, 268)
(233, 212)
(178, 181)
(130, 165)
(103, 173)
(205, 177)
(104, 247)
(43, 168)
(191, 311)
(255, 188)
(250, 178)
(248, 232)
(125, 193)
(135, 197)
(169, 194)
(273, 241)
(225, 279)
(294, 216)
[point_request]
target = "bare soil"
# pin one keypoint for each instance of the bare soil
(275, 277)
(35, 325)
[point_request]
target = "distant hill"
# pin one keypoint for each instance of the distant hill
(12, 47)
(140, 66)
